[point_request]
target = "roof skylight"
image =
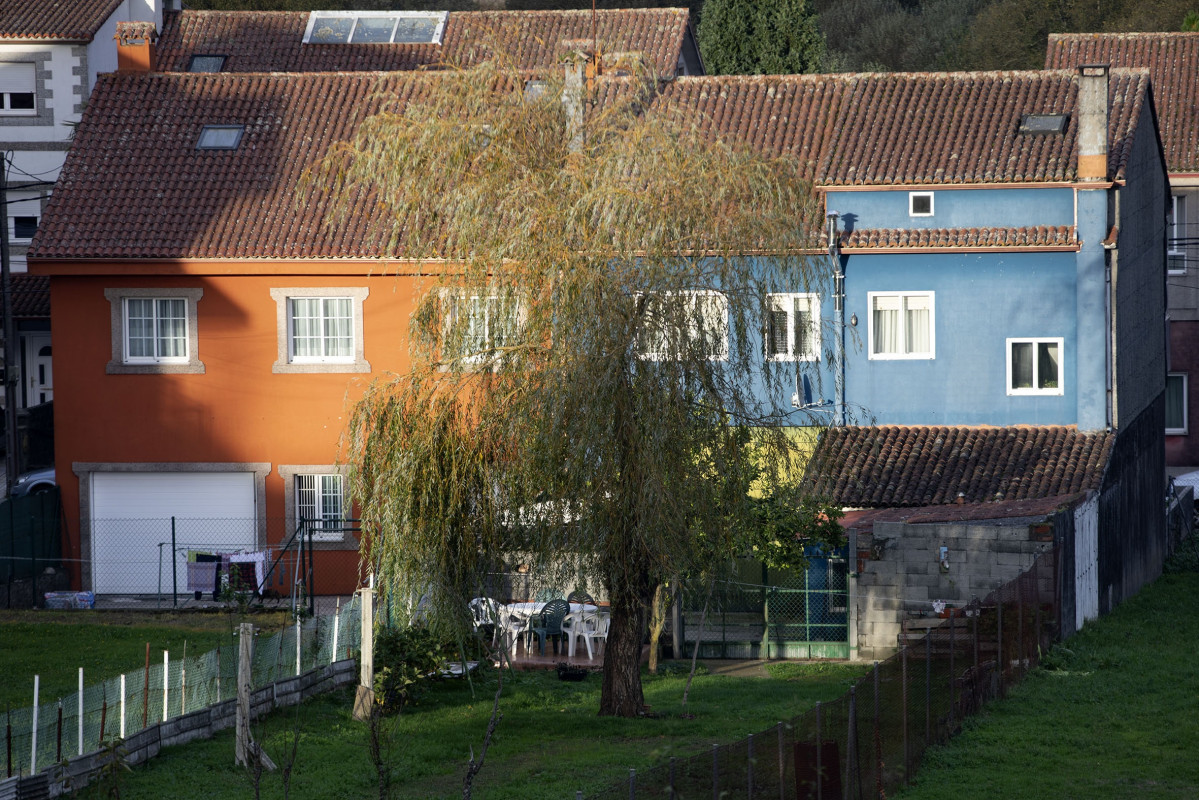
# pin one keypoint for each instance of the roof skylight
(375, 27)
(1042, 124)
(220, 137)
(206, 62)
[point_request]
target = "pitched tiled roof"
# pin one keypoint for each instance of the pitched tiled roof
(135, 156)
(959, 238)
(260, 41)
(914, 128)
(1173, 63)
(54, 20)
(869, 467)
(30, 296)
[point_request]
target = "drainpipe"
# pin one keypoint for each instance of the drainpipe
(834, 253)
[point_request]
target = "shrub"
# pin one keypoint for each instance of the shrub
(406, 659)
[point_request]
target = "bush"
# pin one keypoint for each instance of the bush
(1186, 557)
(406, 659)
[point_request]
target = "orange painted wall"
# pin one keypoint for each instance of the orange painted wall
(238, 410)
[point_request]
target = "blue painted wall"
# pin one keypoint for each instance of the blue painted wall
(956, 208)
(980, 301)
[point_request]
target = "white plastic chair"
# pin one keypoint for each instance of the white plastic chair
(588, 628)
(486, 611)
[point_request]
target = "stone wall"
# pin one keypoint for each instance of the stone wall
(903, 574)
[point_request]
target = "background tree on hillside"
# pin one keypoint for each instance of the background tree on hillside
(760, 37)
(587, 392)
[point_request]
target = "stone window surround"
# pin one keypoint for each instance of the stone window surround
(118, 366)
(288, 473)
(283, 363)
(44, 112)
(85, 469)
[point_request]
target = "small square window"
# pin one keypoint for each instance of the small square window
(1043, 124)
(24, 227)
(1034, 366)
(920, 204)
(320, 330)
(18, 85)
(320, 506)
(674, 323)
(220, 137)
(206, 63)
(476, 325)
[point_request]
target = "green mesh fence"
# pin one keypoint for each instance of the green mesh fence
(123, 705)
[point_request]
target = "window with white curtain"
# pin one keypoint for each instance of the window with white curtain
(901, 325)
(321, 330)
(792, 327)
(477, 323)
(1176, 403)
(320, 505)
(155, 330)
(18, 89)
(1034, 366)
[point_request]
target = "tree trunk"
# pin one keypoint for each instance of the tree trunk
(621, 694)
(657, 621)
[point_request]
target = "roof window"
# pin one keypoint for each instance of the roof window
(1043, 124)
(375, 27)
(220, 137)
(206, 62)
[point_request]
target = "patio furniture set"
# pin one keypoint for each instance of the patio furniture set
(550, 616)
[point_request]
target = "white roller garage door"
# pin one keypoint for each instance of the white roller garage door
(131, 524)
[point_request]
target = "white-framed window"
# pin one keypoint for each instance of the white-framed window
(792, 327)
(320, 505)
(24, 213)
(477, 323)
(154, 330)
(319, 329)
(920, 204)
(1034, 366)
(18, 89)
(220, 137)
(316, 497)
(1176, 404)
(1176, 250)
(674, 322)
(902, 325)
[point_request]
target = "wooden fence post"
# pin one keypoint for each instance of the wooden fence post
(246, 751)
(364, 698)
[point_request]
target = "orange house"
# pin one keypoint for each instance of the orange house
(211, 330)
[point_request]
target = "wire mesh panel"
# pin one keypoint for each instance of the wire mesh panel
(869, 742)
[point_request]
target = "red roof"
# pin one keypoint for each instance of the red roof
(54, 20)
(135, 158)
(1173, 63)
(894, 466)
(30, 296)
(272, 41)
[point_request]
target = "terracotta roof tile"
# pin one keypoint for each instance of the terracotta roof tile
(135, 155)
(30, 296)
(959, 238)
(54, 20)
(879, 467)
(271, 41)
(1173, 63)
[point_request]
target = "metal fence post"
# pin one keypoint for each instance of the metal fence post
(174, 570)
(782, 758)
(999, 642)
(878, 739)
(632, 784)
(928, 687)
(851, 743)
(819, 747)
(952, 670)
(907, 757)
(749, 767)
(1020, 630)
(715, 772)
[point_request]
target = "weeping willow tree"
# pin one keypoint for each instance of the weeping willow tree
(587, 380)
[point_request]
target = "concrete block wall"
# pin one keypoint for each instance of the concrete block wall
(202, 724)
(903, 575)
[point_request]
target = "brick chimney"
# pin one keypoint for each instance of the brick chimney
(137, 45)
(1092, 122)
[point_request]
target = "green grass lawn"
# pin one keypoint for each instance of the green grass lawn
(549, 744)
(1111, 715)
(55, 644)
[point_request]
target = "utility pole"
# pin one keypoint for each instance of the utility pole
(12, 455)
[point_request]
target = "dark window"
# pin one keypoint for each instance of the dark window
(206, 63)
(24, 227)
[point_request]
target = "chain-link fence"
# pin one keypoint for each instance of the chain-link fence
(30, 541)
(37, 737)
(869, 742)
